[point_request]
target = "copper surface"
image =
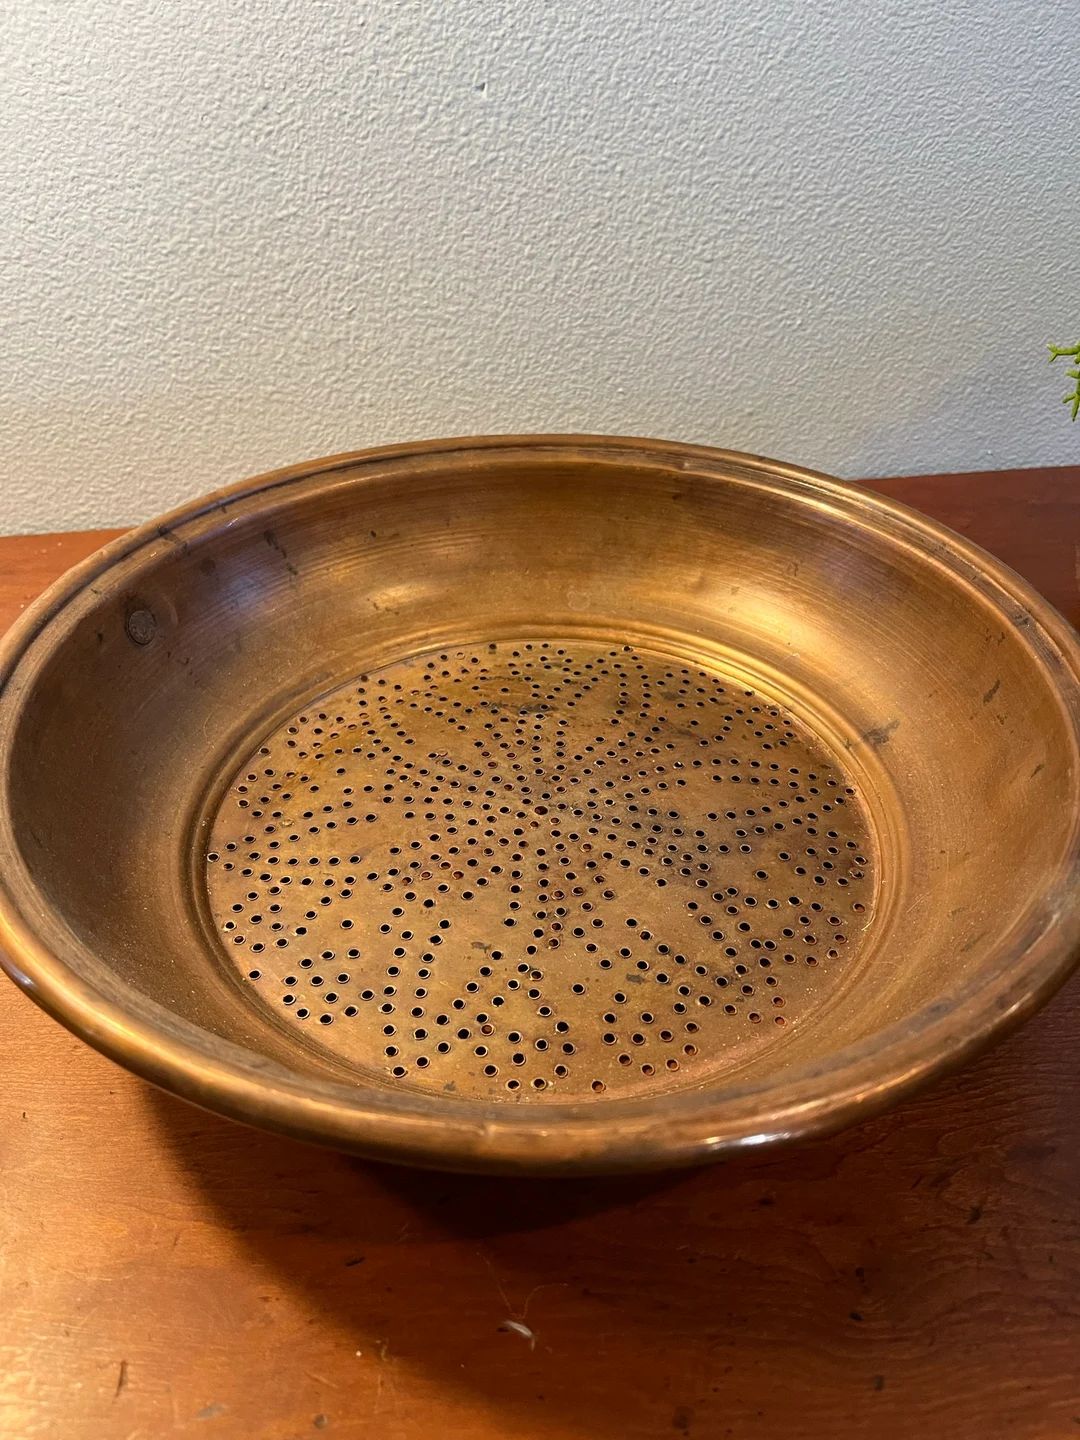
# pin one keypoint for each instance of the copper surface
(529, 716)
(539, 870)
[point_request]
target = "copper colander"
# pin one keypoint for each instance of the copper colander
(540, 804)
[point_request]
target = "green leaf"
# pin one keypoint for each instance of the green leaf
(1072, 352)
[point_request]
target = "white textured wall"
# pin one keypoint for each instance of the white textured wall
(235, 235)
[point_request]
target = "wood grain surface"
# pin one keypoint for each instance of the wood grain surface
(163, 1272)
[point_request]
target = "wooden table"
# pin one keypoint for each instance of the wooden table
(163, 1272)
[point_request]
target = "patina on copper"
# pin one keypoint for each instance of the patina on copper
(540, 803)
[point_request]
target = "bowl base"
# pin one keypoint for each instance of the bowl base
(544, 870)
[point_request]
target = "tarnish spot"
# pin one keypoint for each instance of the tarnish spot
(275, 544)
(881, 734)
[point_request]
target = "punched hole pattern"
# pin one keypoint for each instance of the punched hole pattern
(539, 870)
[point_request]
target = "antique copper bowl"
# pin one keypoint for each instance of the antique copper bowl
(540, 804)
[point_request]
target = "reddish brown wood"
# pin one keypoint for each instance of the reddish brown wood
(164, 1272)
(1029, 518)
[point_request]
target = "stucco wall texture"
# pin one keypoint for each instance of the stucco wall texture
(238, 235)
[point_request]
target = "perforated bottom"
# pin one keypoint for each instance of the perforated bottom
(541, 870)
